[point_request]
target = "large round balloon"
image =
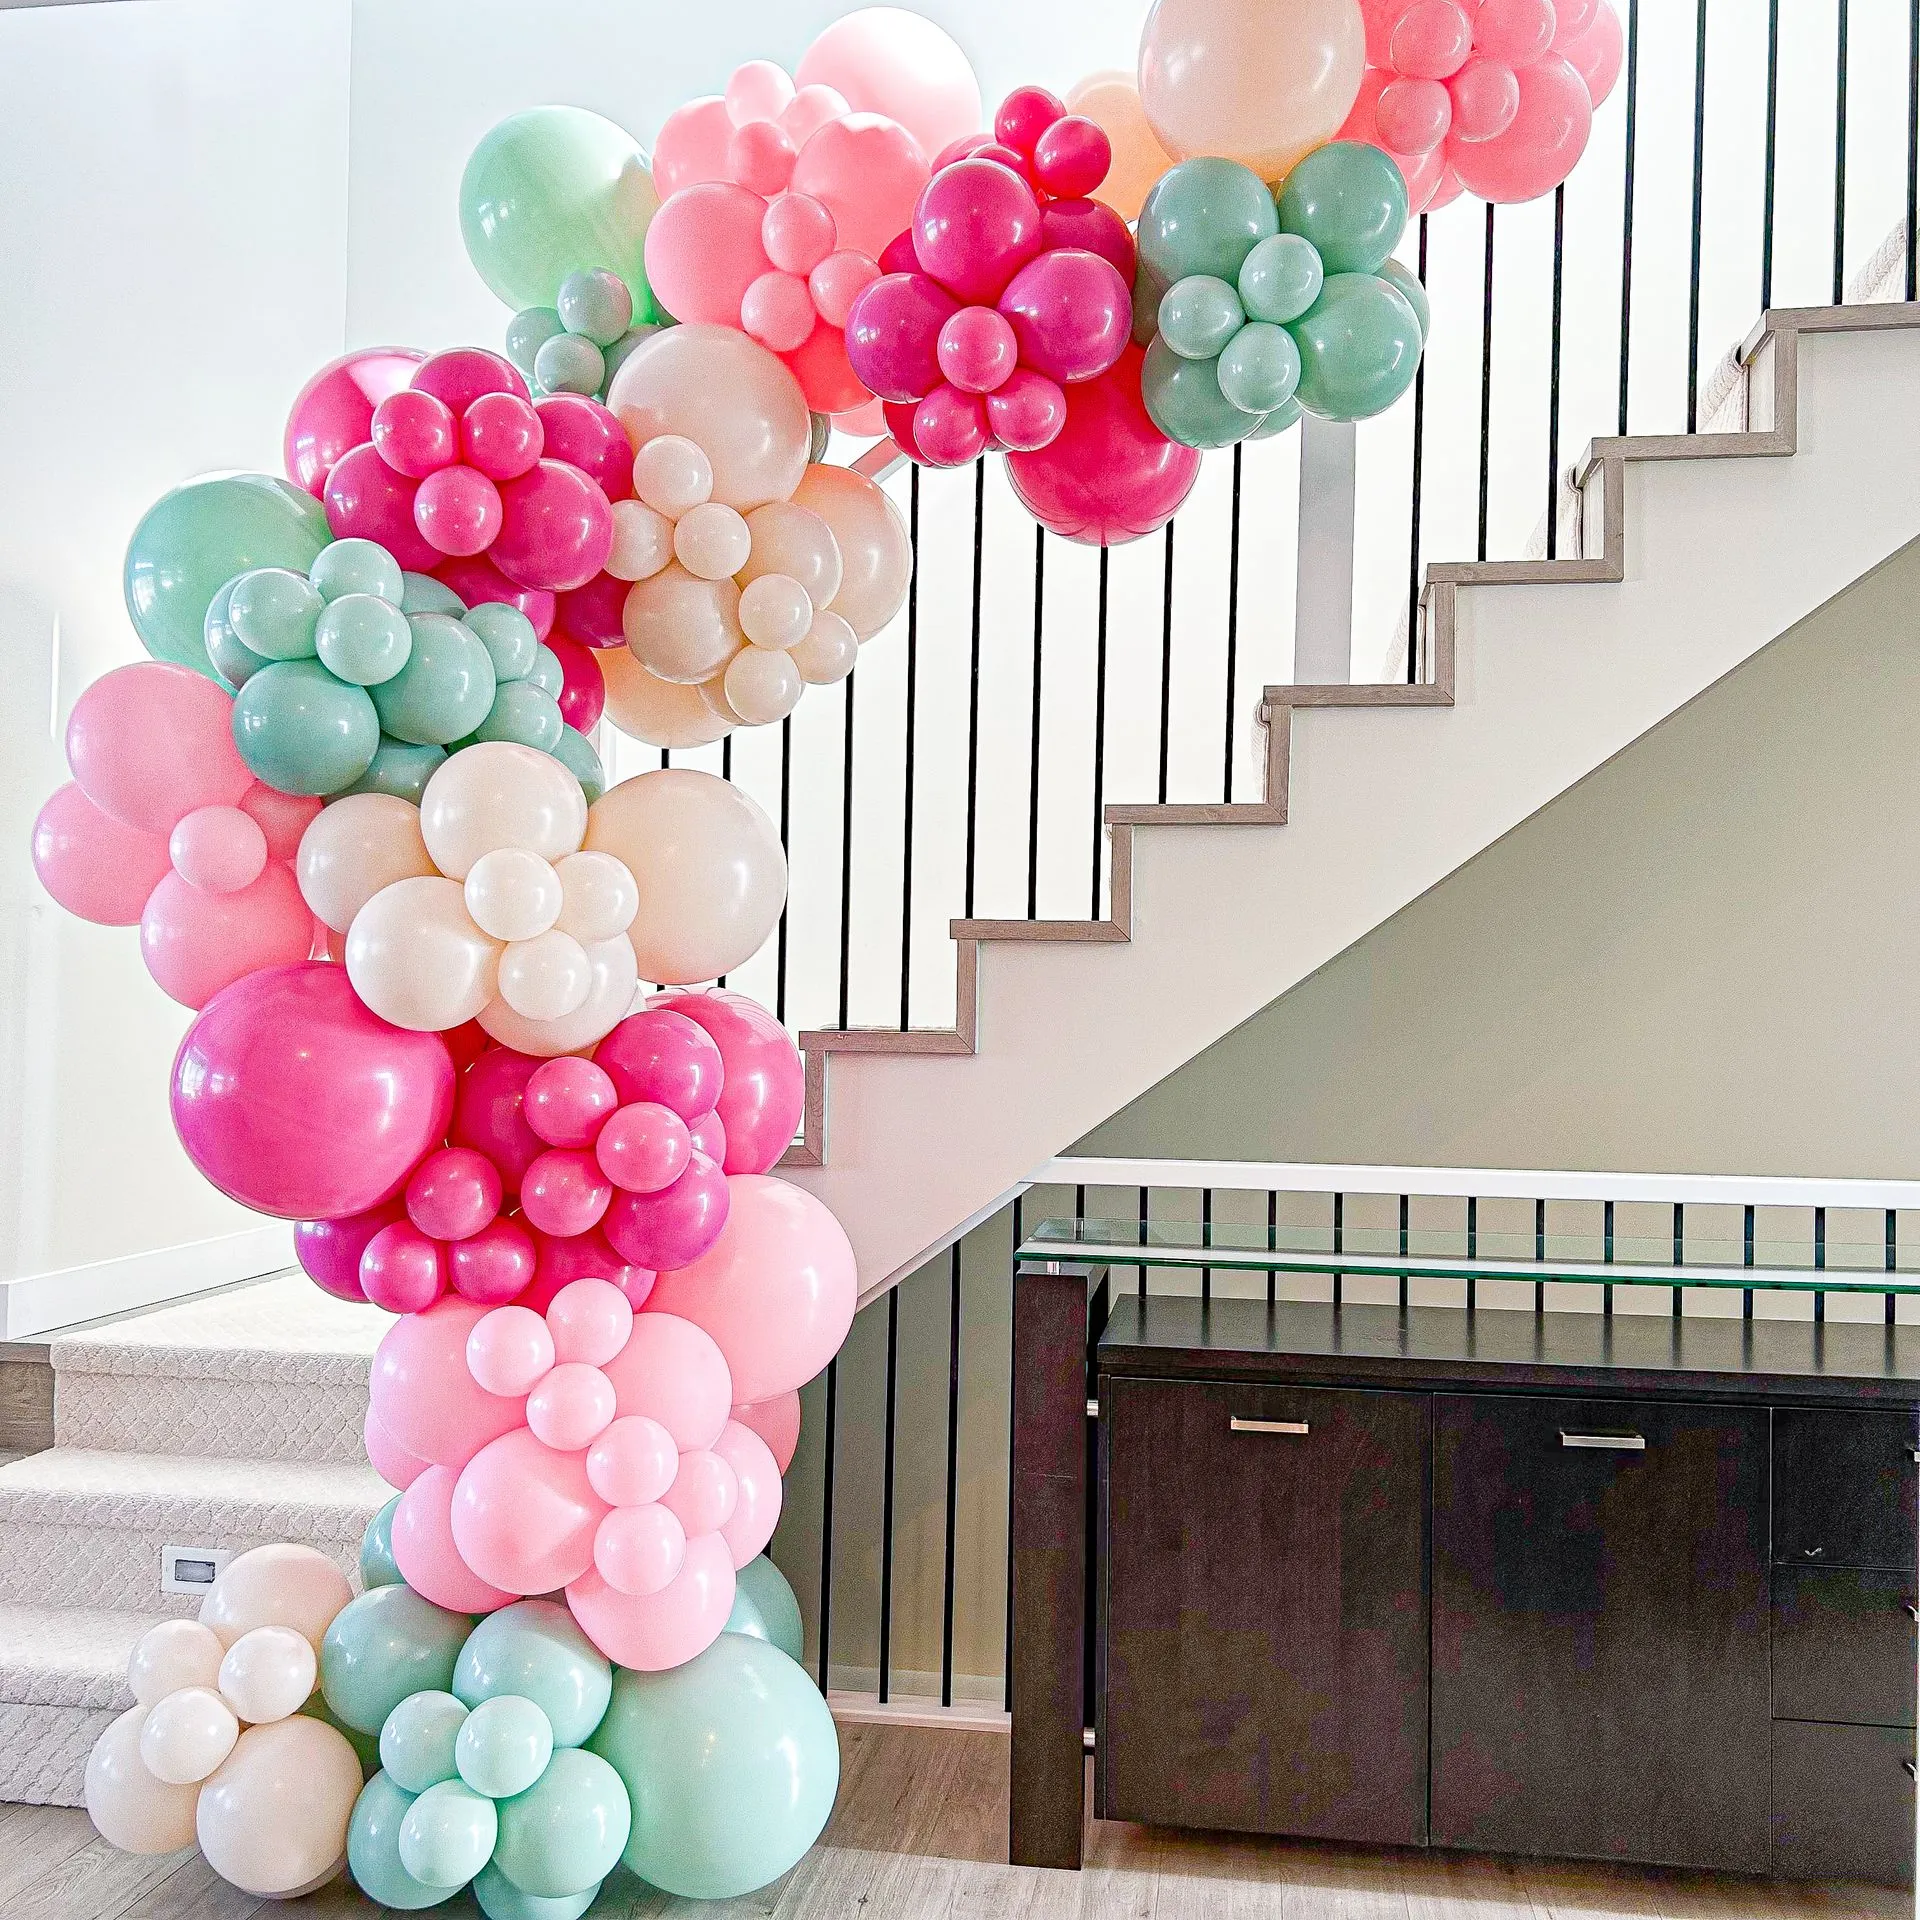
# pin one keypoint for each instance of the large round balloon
(193, 540)
(554, 191)
(764, 1092)
(273, 1819)
(333, 412)
(889, 61)
(294, 1100)
(732, 1765)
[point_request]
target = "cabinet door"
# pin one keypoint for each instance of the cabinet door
(1264, 1610)
(1600, 1613)
(1844, 1488)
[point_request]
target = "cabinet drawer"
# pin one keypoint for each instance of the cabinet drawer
(1844, 1645)
(1843, 1803)
(1264, 1609)
(1844, 1487)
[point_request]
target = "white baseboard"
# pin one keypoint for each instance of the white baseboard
(911, 1710)
(36, 1303)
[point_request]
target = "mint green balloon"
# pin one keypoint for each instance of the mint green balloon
(504, 1746)
(400, 768)
(568, 1830)
(232, 660)
(509, 638)
(272, 610)
(357, 566)
(527, 332)
(569, 364)
(1350, 200)
(550, 192)
(447, 1835)
(192, 541)
(378, 1568)
(595, 304)
(1259, 368)
(547, 673)
(634, 337)
(366, 1746)
(1280, 279)
(373, 1849)
(1204, 216)
(1185, 402)
(446, 688)
(524, 713)
(422, 593)
(1359, 348)
(499, 1899)
(418, 1742)
(761, 1586)
(1199, 315)
(732, 1765)
(383, 1646)
(1407, 283)
(302, 731)
(535, 1649)
(363, 639)
(1278, 421)
(575, 752)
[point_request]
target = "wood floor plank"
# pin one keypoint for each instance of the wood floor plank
(1453, 1886)
(96, 1879)
(193, 1891)
(36, 1841)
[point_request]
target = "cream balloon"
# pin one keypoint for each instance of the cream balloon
(876, 556)
(512, 894)
(729, 395)
(598, 897)
(710, 868)
(273, 1820)
(350, 850)
(672, 474)
(714, 693)
(278, 1586)
(269, 1672)
(642, 541)
(187, 1735)
(613, 981)
(763, 685)
(663, 713)
(828, 652)
(683, 628)
(711, 541)
(1112, 102)
(174, 1654)
(131, 1809)
(794, 540)
(416, 958)
(775, 611)
(499, 794)
(546, 977)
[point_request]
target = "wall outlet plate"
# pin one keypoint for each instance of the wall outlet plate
(191, 1569)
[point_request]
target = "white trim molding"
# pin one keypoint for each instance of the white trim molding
(36, 1303)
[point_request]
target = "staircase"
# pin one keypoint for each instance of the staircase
(1694, 552)
(227, 1422)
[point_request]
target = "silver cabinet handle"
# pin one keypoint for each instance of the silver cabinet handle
(1235, 1424)
(1606, 1442)
(1913, 1610)
(1913, 1772)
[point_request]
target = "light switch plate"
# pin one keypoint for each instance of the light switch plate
(191, 1569)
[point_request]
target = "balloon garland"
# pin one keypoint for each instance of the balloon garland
(352, 805)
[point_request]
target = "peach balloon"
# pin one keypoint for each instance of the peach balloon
(611, 984)
(662, 713)
(416, 958)
(174, 1654)
(500, 794)
(794, 541)
(187, 1735)
(283, 1585)
(682, 627)
(363, 842)
(655, 1631)
(777, 1422)
(273, 1820)
(1112, 102)
(762, 685)
(674, 1373)
(876, 556)
(130, 1808)
(268, 1673)
(642, 540)
(1263, 82)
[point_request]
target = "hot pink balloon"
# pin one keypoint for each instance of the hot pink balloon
(151, 742)
(707, 1135)
(893, 334)
(333, 412)
(638, 1550)
(644, 1148)
(675, 1226)
(975, 227)
(564, 1192)
(453, 1193)
(1093, 227)
(490, 1113)
(633, 1462)
(460, 375)
(524, 1515)
(977, 349)
(674, 1372)
(478, 580)
(950, 427)
(1072, 156)
(757, 1491)
(594, 614)
(1071, 312)
(424, 1550)
(583, 688)
(867, 172)
(402, 1269)
(1028, 412)
(495, 1265)
(777, 1291)
(1539, 148)
(703, 251)
(415, 434)
(502, 435)
(665, 1057)
(568, 1100)
(458, 511)
(367, 500)
(422, 1393)
(777, 1422)
(330, 1250)
(556, 528)
(94, 865)
(295, 1100)
(585, 1256)
(387, 1457)
(655, 1631)
(589, 436)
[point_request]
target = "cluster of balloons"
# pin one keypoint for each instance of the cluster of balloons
(1253, 312)
(577, 344)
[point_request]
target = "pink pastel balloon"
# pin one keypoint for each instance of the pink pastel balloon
(760, 157)
(333, 412)
(330, 1250)
(809, 110)
(509, 1351)
(673, 1372)
(633, 1462)
(776, 1292)
(1090, 226)
(977, 349)
(1541, 145)
(1516, 31)
(776, 1421)
(590, 1321)
(893, 334)
(477, 580)
(564, 1192)
(976, 225)
(583, 686)
(151, 742)
(294, 1100)
(639, 1549)
(502, 435)
(218, 849)
(758, 90)
(416, 434)
(703, 251)
(594, 614)
(1072, 156)
(366, 500)
(777, 310)
(460, 375)
(453, 1193)
(887, 60)
(837, 282)
(1413, 116)
(825, 374)
(196, 944)
(587, 435)
(571, 1406)
(1430, 40)
(704, 1492)
(282, 817)
(867, 172)
(584, 1256)
(490, 1113)
(1596, 52)
(950, 427)
(94, 865)
(458, 511)
(1071, 312)
(757, 1491)
(797, 232)
(422, 1393)
(556, 528)
(568, 1100)
(665, 1057)
(644, 1148)
(424, 1551)
(1486, 96)
(675, 1226)
(1028, 412)
(691, 145)
(402, 1269)
(387, 1457)
(655, 1631)
(524, 1516)
(493, 1266)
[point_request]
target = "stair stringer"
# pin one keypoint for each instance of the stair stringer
(1704, 548)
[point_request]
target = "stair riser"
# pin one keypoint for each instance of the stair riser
(43, 1753)
(214, 1419)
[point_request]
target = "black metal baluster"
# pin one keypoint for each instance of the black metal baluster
(886, 1496)
(1419, 452)
(1006, 1646)
(1473, 1250)
(973, 694)
(1553, 375)
(1840, 156)
(1405, 1283)
(906, 825)
(1626, 207)
(786, 810)
(1033, 751)
(1540, 1253)
(826, 1522)
(1820, 1244)
(1773, 125)
(1273, 1240)
(846, 857)
(666, 757)
(1893, 1232)
(1679, 1249)
(1746, 1260)
(1140, 1273)
(1099, 736)
(1339, 1242)
(1166, 662)
(1206, 1240)
(1606, 1254)
(953, 1469)
(726, 773)
(1699, 185)
(1233, 631)
(1486, 388)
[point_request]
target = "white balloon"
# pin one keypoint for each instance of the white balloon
(775, 611)
(547, 977)
(680, 626)
(187, 1735)
(512, 894)
(416, 958)
(282, 1585)
(350, 850)
(172, 1655)
(274, 1819)
(269, 1672)
(762, 685)
(133, 1810)
(610, 997)
(711, 541)
(672, 474)
(642, 541)
(828, 652)
(500, 794)
(599, 897)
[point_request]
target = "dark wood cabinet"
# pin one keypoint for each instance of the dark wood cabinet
(1845, 1486)
(1843, 1803)
(1265, 1644)
(1844, 1645)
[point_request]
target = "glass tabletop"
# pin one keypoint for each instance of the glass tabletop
(1711, 1260)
